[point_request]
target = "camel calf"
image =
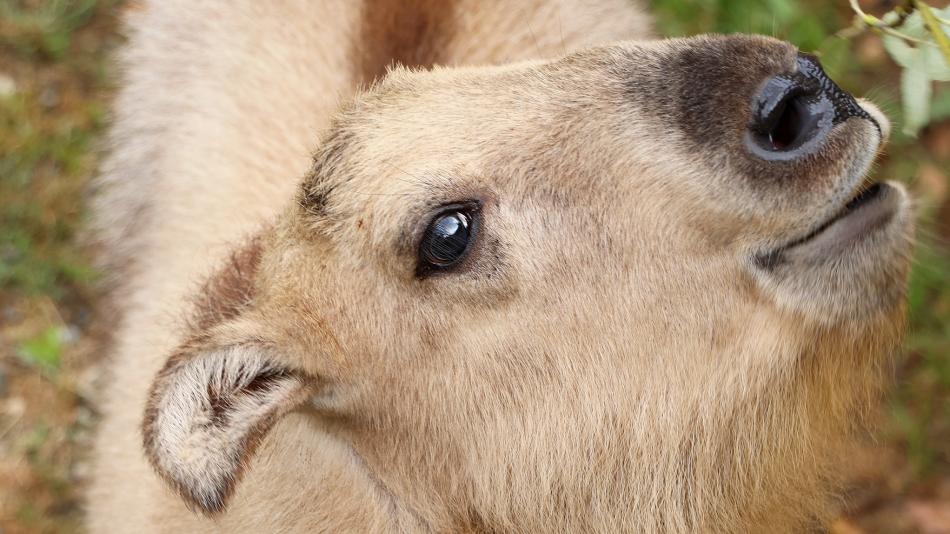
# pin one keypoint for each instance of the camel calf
(484, 266)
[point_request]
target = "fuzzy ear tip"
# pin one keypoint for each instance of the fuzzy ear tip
(210, 506)
(206, 415)
(208, 501)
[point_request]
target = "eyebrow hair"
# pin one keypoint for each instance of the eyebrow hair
(322, 179)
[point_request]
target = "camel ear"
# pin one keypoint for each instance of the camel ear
(208, 410)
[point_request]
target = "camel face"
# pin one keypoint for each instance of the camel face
(640, 283)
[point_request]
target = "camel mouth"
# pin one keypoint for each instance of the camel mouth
(871, 207)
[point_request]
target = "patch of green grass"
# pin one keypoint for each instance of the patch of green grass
(921, 405)
(43, 29)
(44, 350)
(804, 23)
(929, 294)
(48, 124)
(40, 167)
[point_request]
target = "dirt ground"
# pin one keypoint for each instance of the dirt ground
(55, 84)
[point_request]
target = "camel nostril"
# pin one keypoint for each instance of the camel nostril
(788, 126)
(788, 113)
(792, 113)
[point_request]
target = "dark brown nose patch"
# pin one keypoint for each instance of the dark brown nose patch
(711, 89)
(706, 84)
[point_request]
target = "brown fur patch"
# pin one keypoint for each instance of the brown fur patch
(224, 296)
(230, 291)
(413, 34)
(317, 187)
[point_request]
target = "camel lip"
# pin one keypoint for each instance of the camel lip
(869, 209)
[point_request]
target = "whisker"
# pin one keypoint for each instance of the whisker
(537, 43)
(560, 27)
(364, 193)
(418, 180)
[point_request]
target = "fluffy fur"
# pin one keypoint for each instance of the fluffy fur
(609, 357)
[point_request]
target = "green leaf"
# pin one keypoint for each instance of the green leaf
(934, 64)
(914, 27)
(916, 89)
(44, 350)
(902, 53)
(924, 57)
(936, 29)
(923, 63)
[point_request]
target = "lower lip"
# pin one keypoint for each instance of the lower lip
(866, 196)
(869, 211)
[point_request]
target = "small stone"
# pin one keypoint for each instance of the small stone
(69, 334)
(80, 471)
(84, 417)
(49, 97)
(10, 315)
(7, 85)
(14, 407)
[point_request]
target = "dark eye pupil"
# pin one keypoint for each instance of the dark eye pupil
(446, 239)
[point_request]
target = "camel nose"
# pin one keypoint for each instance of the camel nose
(792, 113)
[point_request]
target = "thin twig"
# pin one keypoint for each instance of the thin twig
(878, 25)
(12, 424)
(934, 26)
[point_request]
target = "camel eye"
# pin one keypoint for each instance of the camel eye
(447, 239)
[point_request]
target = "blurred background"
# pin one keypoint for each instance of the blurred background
(55, 83)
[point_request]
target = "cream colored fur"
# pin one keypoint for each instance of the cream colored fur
(609, 360)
